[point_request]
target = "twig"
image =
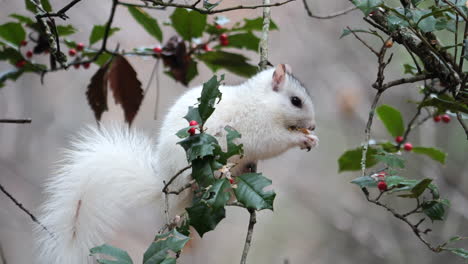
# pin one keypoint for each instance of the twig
(460, 120)
(204, 11)
(20, 206)
(16, 121)
(363, 42)
(264, 39)
(183, 188)
(410, 126)
(413, 79)
(166, 185)
(331, 15)
(248, 239)
(61, 12)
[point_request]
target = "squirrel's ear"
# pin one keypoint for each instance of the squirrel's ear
(280, 75)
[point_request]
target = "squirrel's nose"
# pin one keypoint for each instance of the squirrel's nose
(311, 128)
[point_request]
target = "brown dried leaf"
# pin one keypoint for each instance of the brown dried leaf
(97, 92)
(176, 58)
(125, 87)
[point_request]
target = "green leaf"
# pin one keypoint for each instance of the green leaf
(410, 69)
(66, 30)
(98, 33)
(204, 218)
(416, 2)
(392, 120)
(365, 181)
(367, 6)
(208, 6)
(12, 33)
(193, 114)
(232, 148)
(232, 62)
(218, 194)
(433, 153)
(255, 24)
(23, 19)
(444, 103)
(351, 159)
(392, 160)
(12, 55)
(120, 256)
(418, 189)
(189, 24)
(46, 5)
(146, 21)
(158, 252)
(424, 20)
(209, 94)
(250, 191)
(198, 146)
(202, 171)
(244, 40)
(435, 209)
(30, 6)
(395, 22)
(458, 251)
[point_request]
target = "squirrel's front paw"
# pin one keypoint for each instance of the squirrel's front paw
(308, 142)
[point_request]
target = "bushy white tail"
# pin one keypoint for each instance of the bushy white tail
(104, 173)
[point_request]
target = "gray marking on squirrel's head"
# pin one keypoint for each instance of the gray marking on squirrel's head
(291, 101)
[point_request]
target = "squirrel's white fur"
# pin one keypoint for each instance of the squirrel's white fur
(112, 169)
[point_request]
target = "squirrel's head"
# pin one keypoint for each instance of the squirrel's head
(288, 99)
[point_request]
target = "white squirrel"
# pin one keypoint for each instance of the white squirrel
(110, 170)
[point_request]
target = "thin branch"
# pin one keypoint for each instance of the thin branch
(166, 185)
(20, 206)
(264, 39)
(248, 239)
(460, 120)
(62, 12)
(331, 15)
(363, 42)
(201, 10)
(410, 126)
(16, 121)
(413, 79)
(183, 188)
(368, 130)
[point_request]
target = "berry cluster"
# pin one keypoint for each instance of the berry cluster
(193, 128)
(445, 118)
(380, 178)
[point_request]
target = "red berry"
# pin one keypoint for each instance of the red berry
(29, 54)
(192, 131)
(86, 65)
(408, 146)
(382, 185)
(20, 63)
(207, 48)
(79, 46)
(399, 139)
(446, 118)
(224, 42)
(72, 52)
(193, 123)
(223, 37)
(24, 43)
(157, 49)
(77, 66)
(437, 118)
(231, 181)
(219, 27)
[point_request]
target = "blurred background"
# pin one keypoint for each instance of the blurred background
(319, 216)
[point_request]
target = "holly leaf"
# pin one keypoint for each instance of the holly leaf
(158, 251)
(364, 181)
(432, 153)
(23, 19)
(255, 24)
(193, 114)
(391, 160)
(202, 171)
(209, 94)
(458, 251)
(351, 159)
(444, 103)
(435, 209)
(198, 146)
(204, 218)
(120, 256)
(98, 33)
(244, 40)
(232, 148)
(13, 33)
(146, 21)
(218, 194)
(391, 119)
(232, 62)
(250, 191)
(189, 24)
(418, 189)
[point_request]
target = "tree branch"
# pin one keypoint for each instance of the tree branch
(413, 79)
(20, 206)
(331, 15)
(248, 239)
(16, 121)
(460, 120)
(201, 10)
(166, 185)
(62, 12)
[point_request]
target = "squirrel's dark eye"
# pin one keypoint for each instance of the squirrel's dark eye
(296, 101)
